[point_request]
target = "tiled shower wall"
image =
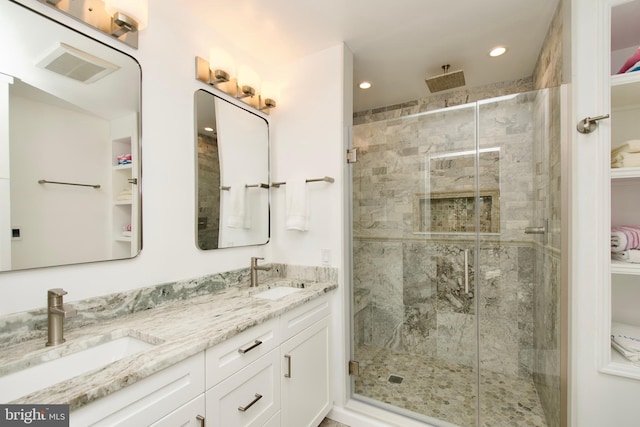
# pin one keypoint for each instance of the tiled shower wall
(413, 282)
(208, 192)
(409, 285)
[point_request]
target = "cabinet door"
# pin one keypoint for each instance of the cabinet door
(306, 396)
(146, 401)
(188, 415)
(249, 398)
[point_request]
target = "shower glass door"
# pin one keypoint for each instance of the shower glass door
(455, 286)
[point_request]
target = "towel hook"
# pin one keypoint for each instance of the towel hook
(589, 124)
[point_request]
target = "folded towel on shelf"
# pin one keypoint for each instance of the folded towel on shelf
(297, 213)
(626, 340)
(125, 194)
(634, 67)
(632, 255)
(624, 157)
(630, 62)
(625, 237)
(630, 146)
(126, 233)
(237, 215)
(626, 164)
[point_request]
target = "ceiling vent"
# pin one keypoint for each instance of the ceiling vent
(76, 64)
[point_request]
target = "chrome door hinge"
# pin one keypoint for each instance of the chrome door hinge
(133, 180)
(352, 155)
(354, 368)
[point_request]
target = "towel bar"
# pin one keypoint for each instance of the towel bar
(261, 185)
(44, 181)
(324, 179)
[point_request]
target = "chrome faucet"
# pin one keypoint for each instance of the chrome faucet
(254, 270)
(56, 311)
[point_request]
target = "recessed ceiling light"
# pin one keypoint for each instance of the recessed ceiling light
(497, 51)
(208, 129)
(364, 85)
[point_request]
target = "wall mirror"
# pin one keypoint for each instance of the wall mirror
(69, 145)
(232, 179)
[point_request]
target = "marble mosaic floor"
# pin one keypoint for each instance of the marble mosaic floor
(447, 391)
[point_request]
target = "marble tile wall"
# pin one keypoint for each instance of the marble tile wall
(208, 192)
(415, 301)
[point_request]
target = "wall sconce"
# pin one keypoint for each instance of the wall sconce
(220, 72)
(221, 65)
(268, 95)
(248, 82)
(121, 19)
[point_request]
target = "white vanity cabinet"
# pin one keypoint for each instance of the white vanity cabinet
(147, 401)
(306, 396)
(275, 374)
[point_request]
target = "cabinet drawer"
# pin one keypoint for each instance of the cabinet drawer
(185, 416)
(148, 400)
(300, 318)
(248, 398)
(234, 354)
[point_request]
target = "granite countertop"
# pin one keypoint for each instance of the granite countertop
(179, 329)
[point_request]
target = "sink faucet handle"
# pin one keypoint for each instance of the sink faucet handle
(56, 292)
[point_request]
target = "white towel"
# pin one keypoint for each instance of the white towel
(237, 216)
(626, 339)
(631, 146)
(297, 215)
(632, 255)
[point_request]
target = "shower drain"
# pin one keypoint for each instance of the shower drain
(395, 379)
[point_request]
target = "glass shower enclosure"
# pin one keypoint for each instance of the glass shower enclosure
(456, 263)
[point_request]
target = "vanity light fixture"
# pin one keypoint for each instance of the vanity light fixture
(248, 81)
(220, 72)
(121, 19)
(127, 15)
(268, 95)
(221, 65)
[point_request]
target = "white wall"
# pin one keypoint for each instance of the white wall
(5, 191)
(58, 224)
(307, 136)
(310, 131)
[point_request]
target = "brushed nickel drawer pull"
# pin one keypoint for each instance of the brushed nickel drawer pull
(201, 419)
(288, 374)
(253, 402)
(248, 349)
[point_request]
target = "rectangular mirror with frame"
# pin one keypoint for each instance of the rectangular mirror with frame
(69, 145)
(232, 180)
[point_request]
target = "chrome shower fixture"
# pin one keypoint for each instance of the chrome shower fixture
(446, 80)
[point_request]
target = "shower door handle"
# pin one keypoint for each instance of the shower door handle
(466, 271)
(535, 230)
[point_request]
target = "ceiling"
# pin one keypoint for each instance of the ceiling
(395, 44)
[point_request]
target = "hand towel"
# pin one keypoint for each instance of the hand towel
(625, 237)
(297, 214)
(236, 212)
(633, 59)
(632, 255)
(626, 340)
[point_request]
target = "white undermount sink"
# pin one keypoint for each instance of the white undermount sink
(44, 374)
(277, 292)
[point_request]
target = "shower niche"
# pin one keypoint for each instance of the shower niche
(452, 207)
